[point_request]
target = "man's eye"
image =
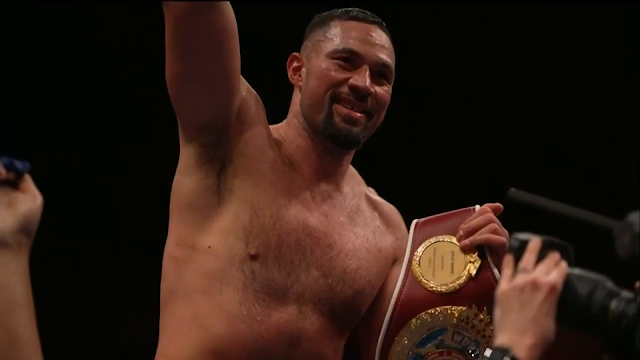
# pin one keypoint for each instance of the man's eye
(345, 62)
(383, 76)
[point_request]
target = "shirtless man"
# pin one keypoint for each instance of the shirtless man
(277, 248)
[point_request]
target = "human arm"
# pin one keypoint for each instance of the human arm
(20, 210)
(19, 338)
(214, 105)
(202, 55)
(222, 122)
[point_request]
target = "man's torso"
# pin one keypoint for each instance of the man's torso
(274, 270)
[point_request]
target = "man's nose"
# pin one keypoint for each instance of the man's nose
(360, 84)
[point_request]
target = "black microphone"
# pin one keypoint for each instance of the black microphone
(625, 232)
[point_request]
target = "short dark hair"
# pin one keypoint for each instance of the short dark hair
(323, 20)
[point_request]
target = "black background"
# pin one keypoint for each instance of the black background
(542, 97)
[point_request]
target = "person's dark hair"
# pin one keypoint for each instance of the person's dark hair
(323, 20)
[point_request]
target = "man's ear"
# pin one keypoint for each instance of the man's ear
(295, 69)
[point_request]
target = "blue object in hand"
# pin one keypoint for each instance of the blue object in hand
(17, 167)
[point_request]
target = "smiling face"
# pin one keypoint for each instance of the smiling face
(347, 76)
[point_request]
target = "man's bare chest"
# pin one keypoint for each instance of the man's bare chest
(331, 261)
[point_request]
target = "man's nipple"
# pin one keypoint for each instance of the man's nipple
(253, 254)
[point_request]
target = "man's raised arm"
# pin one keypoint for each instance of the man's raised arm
(202, 65)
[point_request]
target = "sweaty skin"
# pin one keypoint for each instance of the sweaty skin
(277, 248)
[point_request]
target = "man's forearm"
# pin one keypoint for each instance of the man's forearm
(19, 339)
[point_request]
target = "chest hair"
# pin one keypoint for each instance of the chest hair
(326, 261)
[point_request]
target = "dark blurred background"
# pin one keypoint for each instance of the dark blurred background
(542, 97)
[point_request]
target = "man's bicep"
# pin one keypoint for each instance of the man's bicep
(365, 336)
(202, 53)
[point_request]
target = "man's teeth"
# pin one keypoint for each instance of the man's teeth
(350, 107)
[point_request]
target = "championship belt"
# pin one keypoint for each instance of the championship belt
(443, 299)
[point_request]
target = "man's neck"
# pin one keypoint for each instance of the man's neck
(318, 161)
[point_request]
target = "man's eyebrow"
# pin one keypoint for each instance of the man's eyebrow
(346, 51)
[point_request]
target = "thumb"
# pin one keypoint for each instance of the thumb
(496, 208)
(27, 186)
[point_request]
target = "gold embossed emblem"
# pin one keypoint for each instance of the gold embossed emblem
(440, 266)
(446, 332)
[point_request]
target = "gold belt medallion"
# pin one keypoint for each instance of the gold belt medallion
(440, 266)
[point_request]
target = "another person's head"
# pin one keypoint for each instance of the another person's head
(347, 61)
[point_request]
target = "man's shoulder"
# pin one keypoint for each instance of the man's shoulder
(362, 184)
(388, 209)
(382, 206)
